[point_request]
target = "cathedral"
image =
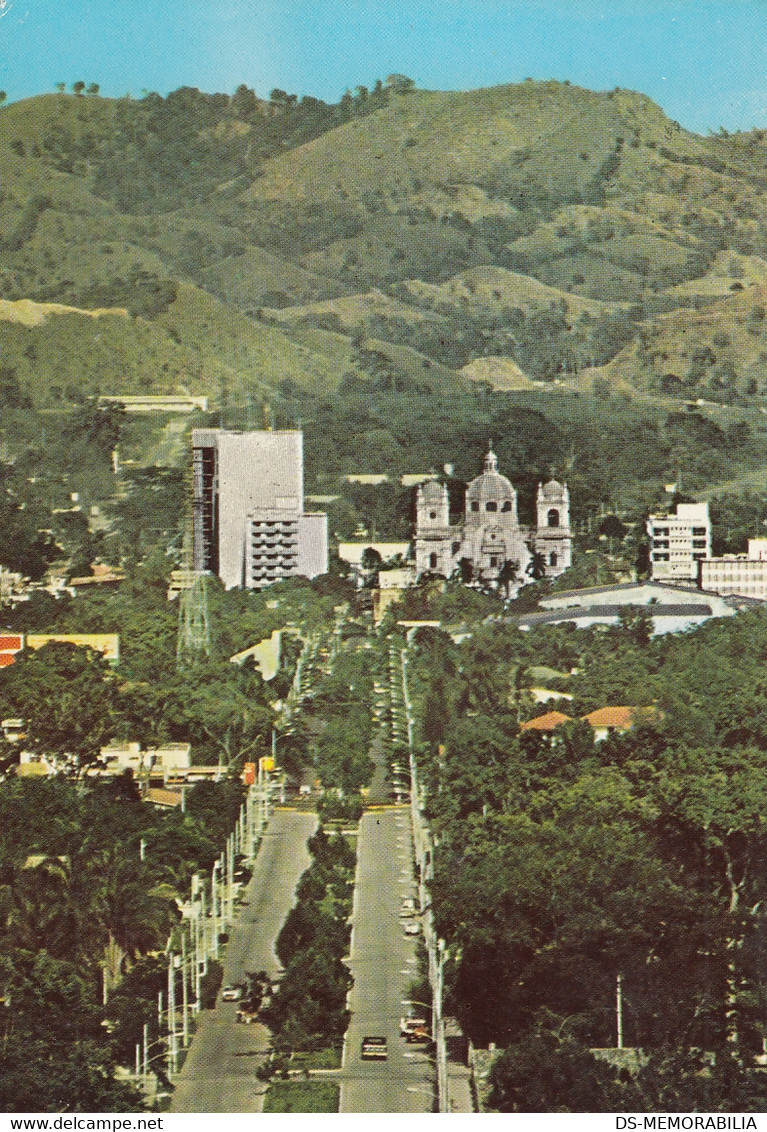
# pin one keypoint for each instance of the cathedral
(489, 538)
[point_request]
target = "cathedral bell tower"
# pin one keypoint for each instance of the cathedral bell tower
(553, 538)
(432, 529)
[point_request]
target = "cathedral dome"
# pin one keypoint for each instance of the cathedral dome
(431, 491)
(491, 488)
(552, 490)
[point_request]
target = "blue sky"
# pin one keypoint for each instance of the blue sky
(703, 61)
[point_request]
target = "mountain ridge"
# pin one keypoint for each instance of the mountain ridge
(299, 212)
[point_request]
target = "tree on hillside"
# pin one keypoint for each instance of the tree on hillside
(244, 103)
(282, 98)
(78, 87)
(3, 96)
(60, 88)
(93, 88)
(400, 83)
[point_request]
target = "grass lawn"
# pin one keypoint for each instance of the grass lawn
(302, 1096)
(317, 1059)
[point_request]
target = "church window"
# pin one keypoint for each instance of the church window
(493, 560)
(456, 547)
(553, 558)
(553, 517)
(433, 561)
(432, 514)
(491, 505)
(475, 505)
(506, 506)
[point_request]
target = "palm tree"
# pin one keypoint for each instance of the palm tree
(39, 910)
(129, 914)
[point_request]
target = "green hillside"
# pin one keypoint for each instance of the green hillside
(527, 237)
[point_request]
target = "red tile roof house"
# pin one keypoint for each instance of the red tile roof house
(548, 722)
(603, 720)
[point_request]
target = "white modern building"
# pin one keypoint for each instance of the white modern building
(250, 526)
(127, 755)
(678, 542)
(742, 574)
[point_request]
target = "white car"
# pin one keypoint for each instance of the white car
(407, 907)
(231, 993)
(412, 928)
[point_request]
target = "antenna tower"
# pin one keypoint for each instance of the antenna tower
(193, 636)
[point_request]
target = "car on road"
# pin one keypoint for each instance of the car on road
(414, 1029)
(407, 907)
(247, 1016)
(412, 928)
(374, 1049)
(231, 993)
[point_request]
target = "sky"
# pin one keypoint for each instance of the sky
(703, 61)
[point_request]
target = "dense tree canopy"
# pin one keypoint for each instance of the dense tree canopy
(563, 862)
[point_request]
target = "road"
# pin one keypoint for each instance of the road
(383, 966)
(219, 1074)
(168, 451)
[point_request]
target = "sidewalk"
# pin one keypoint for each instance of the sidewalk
(459, 1089)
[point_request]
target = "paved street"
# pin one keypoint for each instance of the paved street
(383, 965)
(219, 1074)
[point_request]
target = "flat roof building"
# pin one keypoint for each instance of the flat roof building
(679, 541)
(250, 526)
(742, 574)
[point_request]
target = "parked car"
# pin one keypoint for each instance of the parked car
(374, 1049)
(231, 993)
(412, 928)
(407, 907)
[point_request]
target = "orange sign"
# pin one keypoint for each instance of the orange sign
(249, 774)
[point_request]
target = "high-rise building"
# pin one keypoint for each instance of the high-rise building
(250, 526)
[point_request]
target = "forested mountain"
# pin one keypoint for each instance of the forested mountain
(556, 227)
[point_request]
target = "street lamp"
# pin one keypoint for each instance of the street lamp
(423, 1092)
(439, 1029)
(144, 1058)
(215, 901)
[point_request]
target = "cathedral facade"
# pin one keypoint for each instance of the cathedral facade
(488, 544)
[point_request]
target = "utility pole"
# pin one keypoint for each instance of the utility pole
(214, 908)
(203, 934)
(619, 1009)
(172, 1058)
(184, 990)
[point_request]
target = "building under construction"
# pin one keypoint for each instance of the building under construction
(249, 523)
